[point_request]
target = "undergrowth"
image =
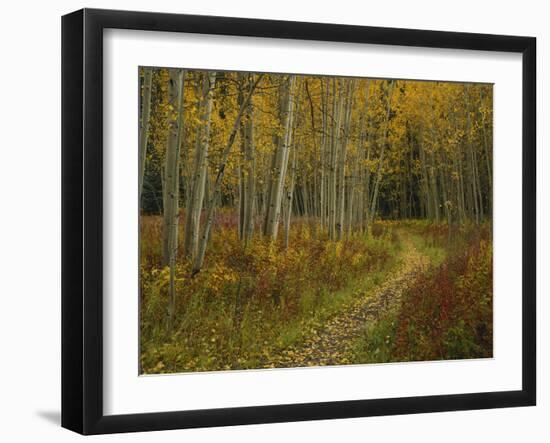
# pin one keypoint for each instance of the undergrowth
(248, 302)
(446, 313)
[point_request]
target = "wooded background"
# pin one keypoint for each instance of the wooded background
(339, 151)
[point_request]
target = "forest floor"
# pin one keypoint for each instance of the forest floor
(411, 291)
(334, 342)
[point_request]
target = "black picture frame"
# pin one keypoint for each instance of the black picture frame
(82, 218)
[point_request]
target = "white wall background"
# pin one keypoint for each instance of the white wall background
(30, 219)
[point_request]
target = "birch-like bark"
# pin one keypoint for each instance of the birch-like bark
(171, 209)
(323, 190)
(430, 213)
(334, 151)
(343, 155)
(316, 195)
(200, 168)
(433, 186)
(432, 169)
(280, 165)
(486, 151)
(383, 147)
(366, 138)
(250, 153)
(247, 173)
(289, 197)
(211, 204)
(472, 161)
(144, 127)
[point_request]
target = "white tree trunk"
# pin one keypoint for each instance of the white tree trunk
(342, 158)
(171, 209)
(280, 166)
(200, 168)
(334, 151)
(289, 197)
(211, 205)
(381, 159)
(247, 173)
(144, 127)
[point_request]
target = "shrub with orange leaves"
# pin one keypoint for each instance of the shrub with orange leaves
(231, 312)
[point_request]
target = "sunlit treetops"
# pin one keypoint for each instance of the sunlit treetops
(340, 151)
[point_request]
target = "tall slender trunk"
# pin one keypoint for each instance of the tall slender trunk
(351, 197)
(289, 197)
(200, 168)
(442, 160)
(280, 166)
(433, 168)
(323, 155)
(241, 192)
(171, 209)
(144, 126)
(364, 149)
(343, 155)
(382, 149)
(277, 141)
(478, 184)
(471, 159)
(247, 172)
(250, 157)
(211, 204)
(433, 186)
(242, 184)
(334, 150)
(462, 196)
(487, 156)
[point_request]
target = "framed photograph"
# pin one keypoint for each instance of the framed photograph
(269, 221)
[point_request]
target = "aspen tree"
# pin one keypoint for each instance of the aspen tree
(389, 94)
(171, 208)
(343, 155)
(211, 204)
(334, 152)
(144, 124)
(280, 165)
(247, 175)
(194, 209)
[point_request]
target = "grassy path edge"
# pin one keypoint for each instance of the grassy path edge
(333, 341)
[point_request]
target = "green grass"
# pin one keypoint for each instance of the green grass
(447, 309)
(235, 328)
(436, 253)
(329, 305)
(375, 346)
(246, 307)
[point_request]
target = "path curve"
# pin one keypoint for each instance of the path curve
(332, 344)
